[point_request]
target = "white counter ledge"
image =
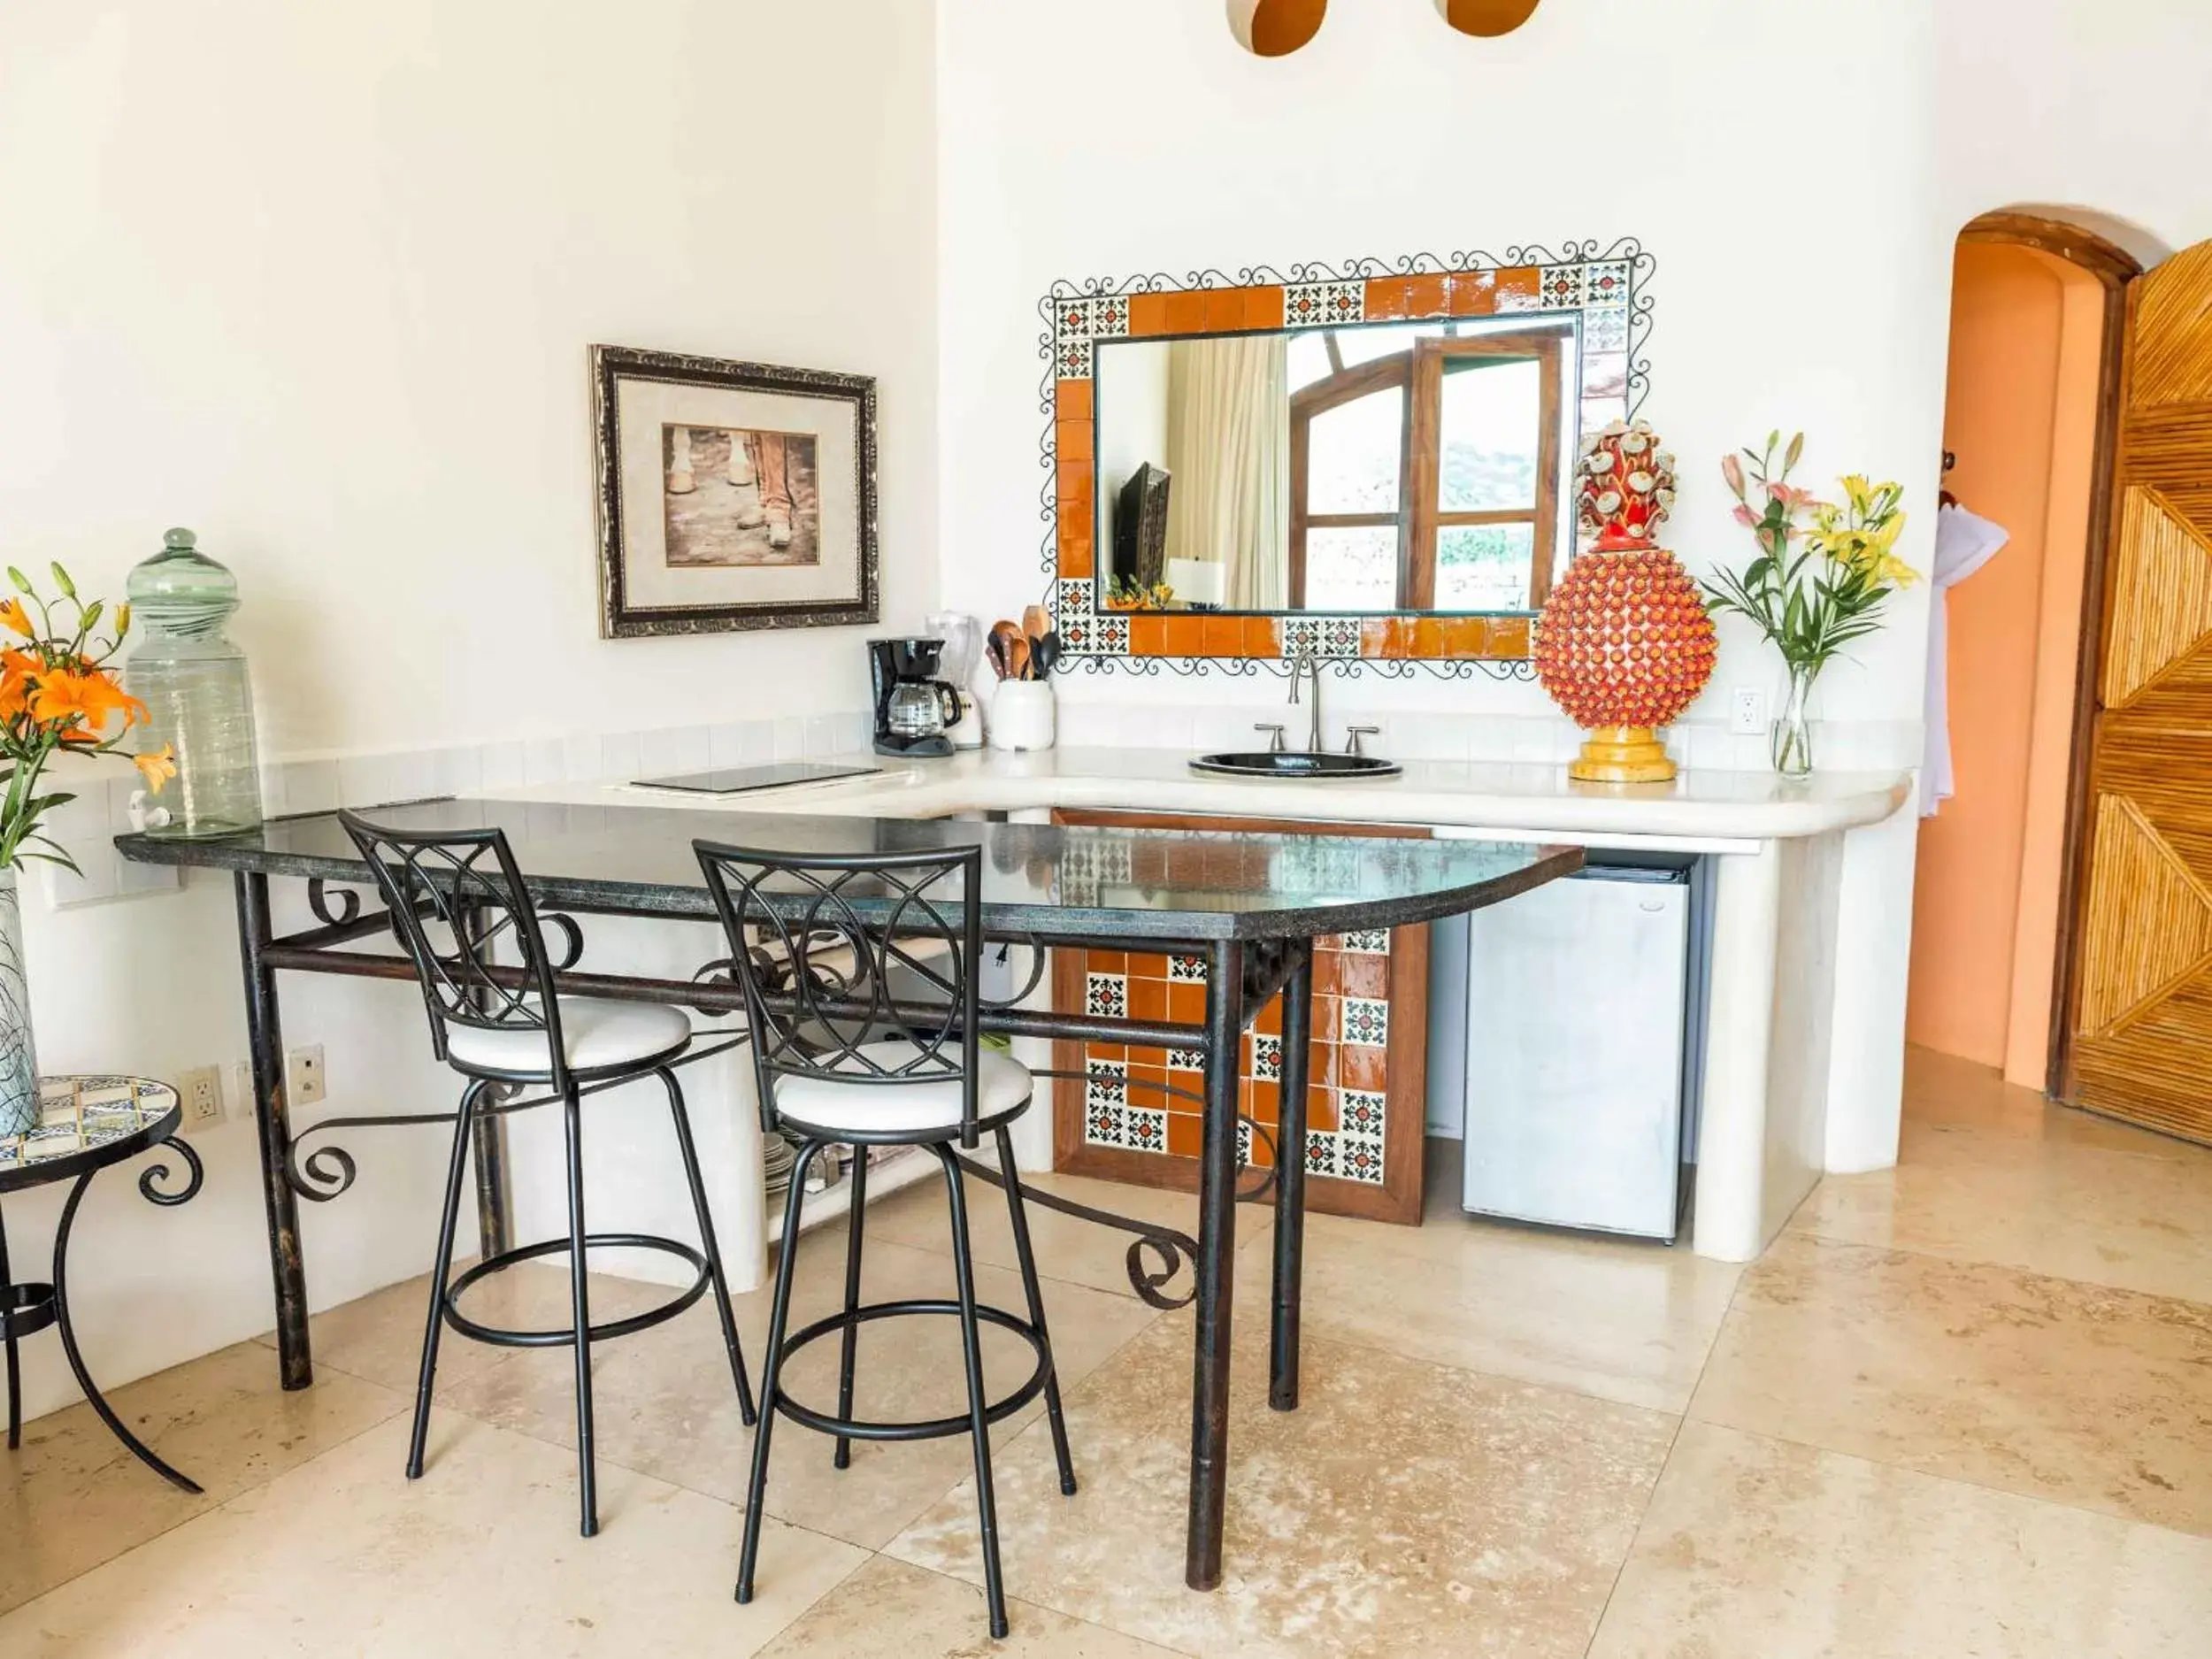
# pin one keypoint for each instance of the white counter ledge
(1805, 1026)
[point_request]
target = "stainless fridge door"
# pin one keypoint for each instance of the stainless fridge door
(1574, 1031)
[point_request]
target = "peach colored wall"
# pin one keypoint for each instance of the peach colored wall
(1986, 897)
(2066, 531)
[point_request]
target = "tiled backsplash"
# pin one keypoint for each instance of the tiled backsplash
(102, 810)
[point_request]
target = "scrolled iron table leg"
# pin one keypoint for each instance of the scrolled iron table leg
(148, 1184)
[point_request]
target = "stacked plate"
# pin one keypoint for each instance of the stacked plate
(776, 1157)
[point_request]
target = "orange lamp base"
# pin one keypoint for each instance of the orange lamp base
(1622, 754)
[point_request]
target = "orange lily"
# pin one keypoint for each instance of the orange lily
(13, 617)
(156, 769)
(17, 672)
(67, 695)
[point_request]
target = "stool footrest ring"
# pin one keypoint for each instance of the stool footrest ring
(935, 1428)
(566, 1336)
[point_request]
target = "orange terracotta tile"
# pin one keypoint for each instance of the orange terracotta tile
(1360, 973)
(1428, 637)
(1096, 1052)
(1510, 636)
(1139, 1054)
(1108, 962)
(1385, 298)
(1222, 636)
(1464, 636)
(1147, 999)
(1147, 634)
(1374, 637)
(1148, 963)
(1186, 313)
(1271, 1020)
(1185, 1134)
(1224, 310)
(1473, 294)
(1521, 283)
(1071, 439)
(1186, 1003)
(1328, 972)
(1148, 314)
(1359, 1066)
(1267, 1101)
(1154, 1077)
(1321, 1108)
(1263, 306)
(1260, 639)
(1071, 400)
(1075, 479)
(1262, 1158)
(1075, 538)
(1185, 634)
(1429, 295)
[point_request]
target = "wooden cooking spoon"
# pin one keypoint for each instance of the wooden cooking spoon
(1017, 658)
(1000, 646)
(1036, 622)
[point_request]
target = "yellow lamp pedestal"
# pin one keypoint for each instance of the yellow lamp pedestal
(1622, 754)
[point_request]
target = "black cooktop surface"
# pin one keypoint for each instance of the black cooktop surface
(738, 779)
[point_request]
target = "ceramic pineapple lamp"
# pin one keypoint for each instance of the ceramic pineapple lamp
(1623, 644)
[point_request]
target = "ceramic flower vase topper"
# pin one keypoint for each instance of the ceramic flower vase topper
(1623, 644)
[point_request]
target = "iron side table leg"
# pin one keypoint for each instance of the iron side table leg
(1214, 1271)
(93, 1397)
(1290, 1181)
(265, 1043)
(15, 1369)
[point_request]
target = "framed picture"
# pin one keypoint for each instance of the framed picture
(732, 495)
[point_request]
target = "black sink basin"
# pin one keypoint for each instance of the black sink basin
(1295, 764)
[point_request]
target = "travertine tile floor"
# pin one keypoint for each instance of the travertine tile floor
(1963, 1407)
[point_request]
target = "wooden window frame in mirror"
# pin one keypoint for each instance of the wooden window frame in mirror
(1600, 291)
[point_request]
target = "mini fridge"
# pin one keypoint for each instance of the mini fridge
(1581, 1015)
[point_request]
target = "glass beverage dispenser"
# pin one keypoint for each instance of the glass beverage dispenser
(198, 698)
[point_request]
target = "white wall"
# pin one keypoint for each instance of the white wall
(319, 281)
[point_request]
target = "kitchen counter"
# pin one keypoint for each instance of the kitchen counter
(1804, 1029)
(1541, 801)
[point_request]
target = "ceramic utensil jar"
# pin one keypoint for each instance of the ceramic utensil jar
(1023, 715)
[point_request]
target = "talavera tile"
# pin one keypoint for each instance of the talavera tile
(890, 1610)
(2029, 1384)
(343, 1556)
(1755, 1547)
(1403, 1509)
(70, 1497)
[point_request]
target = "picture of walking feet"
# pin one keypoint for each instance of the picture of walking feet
(740, 498)
(732, 495)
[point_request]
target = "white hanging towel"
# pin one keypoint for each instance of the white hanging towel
(1964, 542)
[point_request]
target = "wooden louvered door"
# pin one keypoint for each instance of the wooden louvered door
(2141, 1019)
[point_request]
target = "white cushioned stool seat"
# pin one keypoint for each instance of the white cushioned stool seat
(598, 1032)
(930, 1104)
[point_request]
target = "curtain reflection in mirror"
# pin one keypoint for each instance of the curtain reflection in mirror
(1228, 452)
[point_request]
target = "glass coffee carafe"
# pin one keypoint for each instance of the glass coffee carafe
(921, 708)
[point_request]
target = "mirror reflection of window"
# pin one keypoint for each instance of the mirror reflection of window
(1378, 467)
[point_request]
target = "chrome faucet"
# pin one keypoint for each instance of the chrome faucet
(1301, 665)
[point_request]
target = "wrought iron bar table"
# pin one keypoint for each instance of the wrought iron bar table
(86, 1124)
(1251, 904)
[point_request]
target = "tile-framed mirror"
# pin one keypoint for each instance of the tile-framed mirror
(1371, 465)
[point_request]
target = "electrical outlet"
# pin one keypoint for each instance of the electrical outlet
(201, 1091)
(304, 1084)
(1747, 712)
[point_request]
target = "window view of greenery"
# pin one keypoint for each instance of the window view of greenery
(1486, 462)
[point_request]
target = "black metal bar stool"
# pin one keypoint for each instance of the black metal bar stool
(499, 1028)
(860, 984)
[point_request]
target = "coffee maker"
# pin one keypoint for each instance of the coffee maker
(914, 708)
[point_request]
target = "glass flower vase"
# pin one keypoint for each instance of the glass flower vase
(19, 1058)
(1790, 738)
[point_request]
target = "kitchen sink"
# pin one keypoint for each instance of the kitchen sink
(1295, 764)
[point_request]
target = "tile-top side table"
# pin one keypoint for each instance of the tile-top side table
(86, 1124)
